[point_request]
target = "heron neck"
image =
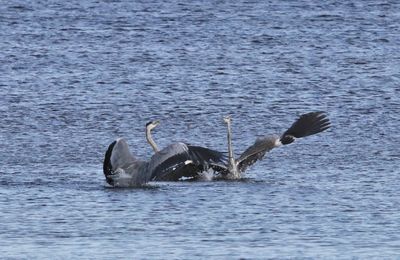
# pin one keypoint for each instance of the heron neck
(150, 140)
(232, 164)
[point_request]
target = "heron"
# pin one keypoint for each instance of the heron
(306, 125)
(233, 168)
(122, 169)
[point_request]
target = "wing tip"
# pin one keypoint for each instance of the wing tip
(287, 139)
(107, 166)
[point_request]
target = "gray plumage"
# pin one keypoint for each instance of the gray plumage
(305, 125)
(179, 160)
(122, 169)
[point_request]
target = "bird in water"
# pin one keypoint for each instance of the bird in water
(233, 168)
(307, 124)
(122, 169)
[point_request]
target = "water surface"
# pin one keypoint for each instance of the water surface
(74, 76)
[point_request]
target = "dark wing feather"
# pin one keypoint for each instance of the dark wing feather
(181, 160)
(107, 166)
(307, 124)
(174, 168)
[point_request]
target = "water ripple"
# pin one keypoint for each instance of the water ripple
(75, 75)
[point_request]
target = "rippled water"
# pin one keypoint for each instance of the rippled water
(75, 75)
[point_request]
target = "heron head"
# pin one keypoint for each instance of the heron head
(227, 119)
(152, 124)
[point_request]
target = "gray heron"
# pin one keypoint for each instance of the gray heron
(122, 169)
(307, 124)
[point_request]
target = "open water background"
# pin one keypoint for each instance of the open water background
(74, 75)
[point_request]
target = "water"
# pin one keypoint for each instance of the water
(74, 76)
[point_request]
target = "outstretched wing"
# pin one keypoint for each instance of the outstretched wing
(257, 151)
(305, 125)
(121, 168)
(179, 160)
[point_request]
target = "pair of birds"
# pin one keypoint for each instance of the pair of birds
(179, 160)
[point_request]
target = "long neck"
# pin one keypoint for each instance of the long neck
(150, 140)
(232, 164)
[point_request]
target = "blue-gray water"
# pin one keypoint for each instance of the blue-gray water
(74, 75)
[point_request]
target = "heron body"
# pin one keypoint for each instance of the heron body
(122, 169)
(233, 168)
(178, 161)
(307, 124)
